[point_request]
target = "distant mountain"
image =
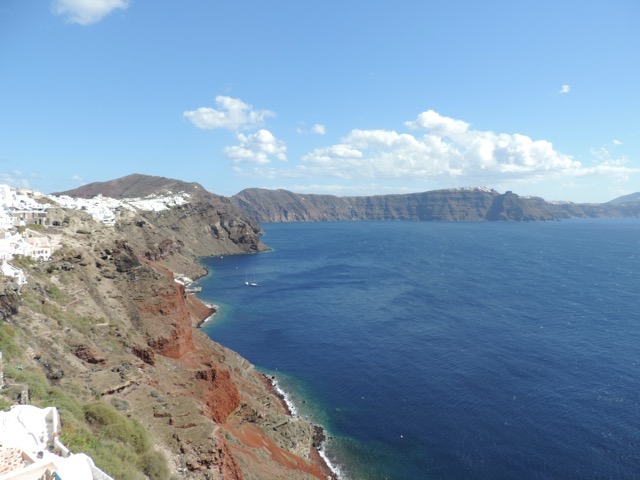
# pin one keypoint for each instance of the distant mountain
(133, 186)
(476, 204)
(633, 197)
(462, 204)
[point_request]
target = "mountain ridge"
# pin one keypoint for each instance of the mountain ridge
(280, 205)
(135, 185)
(475, 204)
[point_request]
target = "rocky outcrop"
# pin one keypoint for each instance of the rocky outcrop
(440, 205)
(208, 224)
(10, 299)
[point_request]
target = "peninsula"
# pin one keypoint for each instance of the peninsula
(103, 329)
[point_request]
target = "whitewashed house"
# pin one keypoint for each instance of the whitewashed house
(11, 244)
(9, 270)
(30, 448)
(38, 245)
(6, 219)
(7, 196)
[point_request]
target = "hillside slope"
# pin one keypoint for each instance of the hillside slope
(105, 319)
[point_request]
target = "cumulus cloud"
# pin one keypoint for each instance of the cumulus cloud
(438, 124)
(231, 113)
(258, 148)
(319, 129)
(565, 88)
(86, 12)
(443, 147)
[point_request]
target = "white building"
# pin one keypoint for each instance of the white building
(6, 219)
(9, 270)
(103, 209)
(21, 207)
(38, 246)
(7, 196)
(10, 244)
(30, 448)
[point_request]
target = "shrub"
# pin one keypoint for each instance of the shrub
(126, 449)
(5, 403)
(8, 346)
(111, 425)
(154, 465)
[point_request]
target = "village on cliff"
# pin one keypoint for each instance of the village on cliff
(30, 447)
(24, 218)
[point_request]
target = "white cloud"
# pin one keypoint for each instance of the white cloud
(439, 125)
(609, 165)
(259, 147)
(14, 178)
(448, 148)
(319, 129)
(86, 12)
(616, 142)
(77, 179)
(232, 114)
(438, 151)
(565, 88)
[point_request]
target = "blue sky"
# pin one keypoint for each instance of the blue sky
(348, 98)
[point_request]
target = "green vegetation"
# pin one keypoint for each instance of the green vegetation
(5, 403)
(23, 262)
(119, 445)
(36, 227)
(54, 309)
(57, 295)
(8, 346)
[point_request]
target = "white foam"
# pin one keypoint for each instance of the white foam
(294, 413)
(336, 470)
(215, 308)
(285, 396)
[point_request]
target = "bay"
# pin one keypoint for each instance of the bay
(448, 350)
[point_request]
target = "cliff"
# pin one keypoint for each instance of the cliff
(444, 205)
(105, 319)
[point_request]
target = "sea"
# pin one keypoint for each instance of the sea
(448, 350)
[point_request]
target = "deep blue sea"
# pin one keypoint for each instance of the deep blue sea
(449, 350)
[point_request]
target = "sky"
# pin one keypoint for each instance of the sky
(334, 97)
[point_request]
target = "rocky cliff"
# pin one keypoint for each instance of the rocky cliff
(105, 319)
(444, 205)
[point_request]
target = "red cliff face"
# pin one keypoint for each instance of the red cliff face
(167, 314)
(168, 321)
(218, 392)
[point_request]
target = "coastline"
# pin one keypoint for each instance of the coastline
(317, 454)
(213, 308)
